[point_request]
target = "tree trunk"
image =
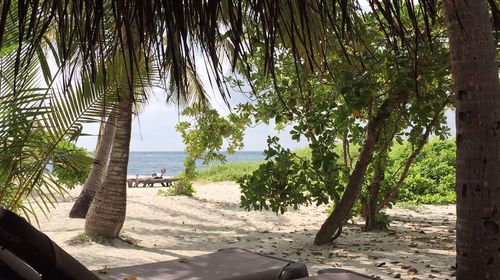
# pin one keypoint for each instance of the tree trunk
(97, 172)
(476, 83)
(374, 189)
(409, 161)
(107, 211)
(353, 189)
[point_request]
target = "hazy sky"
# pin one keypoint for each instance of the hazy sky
(154, 130)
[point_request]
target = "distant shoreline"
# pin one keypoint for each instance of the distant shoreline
(184, 151)
(145, 163)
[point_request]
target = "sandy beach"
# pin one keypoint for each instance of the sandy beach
(419, 244)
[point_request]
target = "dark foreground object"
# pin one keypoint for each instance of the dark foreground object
(28, 254)
(224, 264)
(338, 274)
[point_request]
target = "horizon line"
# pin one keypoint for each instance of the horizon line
(149, 151)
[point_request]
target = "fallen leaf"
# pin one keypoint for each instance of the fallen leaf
(131, 277)
(104, 270)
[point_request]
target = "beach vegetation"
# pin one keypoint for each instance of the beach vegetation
(226, 171)
(430, 179)
(371, 107)
(204, 135)
(71, 164)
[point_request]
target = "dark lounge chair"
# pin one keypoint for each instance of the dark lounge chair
(27, 253)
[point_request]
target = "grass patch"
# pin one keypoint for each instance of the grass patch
(227, 171)
(83, 240)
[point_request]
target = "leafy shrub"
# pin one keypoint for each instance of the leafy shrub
(227, 171)
(71, 164)
(285, 180)
(184, 186)
(431, 178)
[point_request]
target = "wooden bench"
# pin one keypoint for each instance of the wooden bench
(149, 182)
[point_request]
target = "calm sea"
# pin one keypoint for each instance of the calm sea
(146, 163)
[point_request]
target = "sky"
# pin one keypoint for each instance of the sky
(154, 130)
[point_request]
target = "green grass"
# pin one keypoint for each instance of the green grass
(83, 240)
(227, 172)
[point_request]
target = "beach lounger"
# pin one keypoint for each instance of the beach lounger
(28, 254)
(149, 182)
(225, 264)
(338, 274)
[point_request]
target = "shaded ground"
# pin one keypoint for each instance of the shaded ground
(419, 245)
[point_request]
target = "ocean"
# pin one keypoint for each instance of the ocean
(147, 163)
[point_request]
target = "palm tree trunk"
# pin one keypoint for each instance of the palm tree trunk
(97, 172)
(107, 211)
(334, 222)
(476, 83)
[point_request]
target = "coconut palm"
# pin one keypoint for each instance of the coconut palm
(106, 214)
(40, 105)
(97, 172)
(477, 88)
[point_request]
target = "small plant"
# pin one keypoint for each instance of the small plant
(71, 164)
(227, 171)
(82, 239)
(183, 186)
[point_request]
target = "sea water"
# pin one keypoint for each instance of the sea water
(147, 163)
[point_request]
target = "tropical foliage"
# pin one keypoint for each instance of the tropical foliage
(40, 105)
(204, 137)
(367, 105)
(71, 164)
(431, 179)
(226, 171)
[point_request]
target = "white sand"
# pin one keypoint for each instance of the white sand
(419, 245)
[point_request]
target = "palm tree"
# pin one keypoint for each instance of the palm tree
(106, 214)
(477, 87)
(97, 172)
(39, 107)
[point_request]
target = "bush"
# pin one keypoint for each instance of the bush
(71, 164)
(431, 178)
(227, 172)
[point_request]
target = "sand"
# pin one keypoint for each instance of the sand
(419, 244)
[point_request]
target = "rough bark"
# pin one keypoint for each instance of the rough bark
(476, 83)
(106, 214)
(341, 212)
(97, 172)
